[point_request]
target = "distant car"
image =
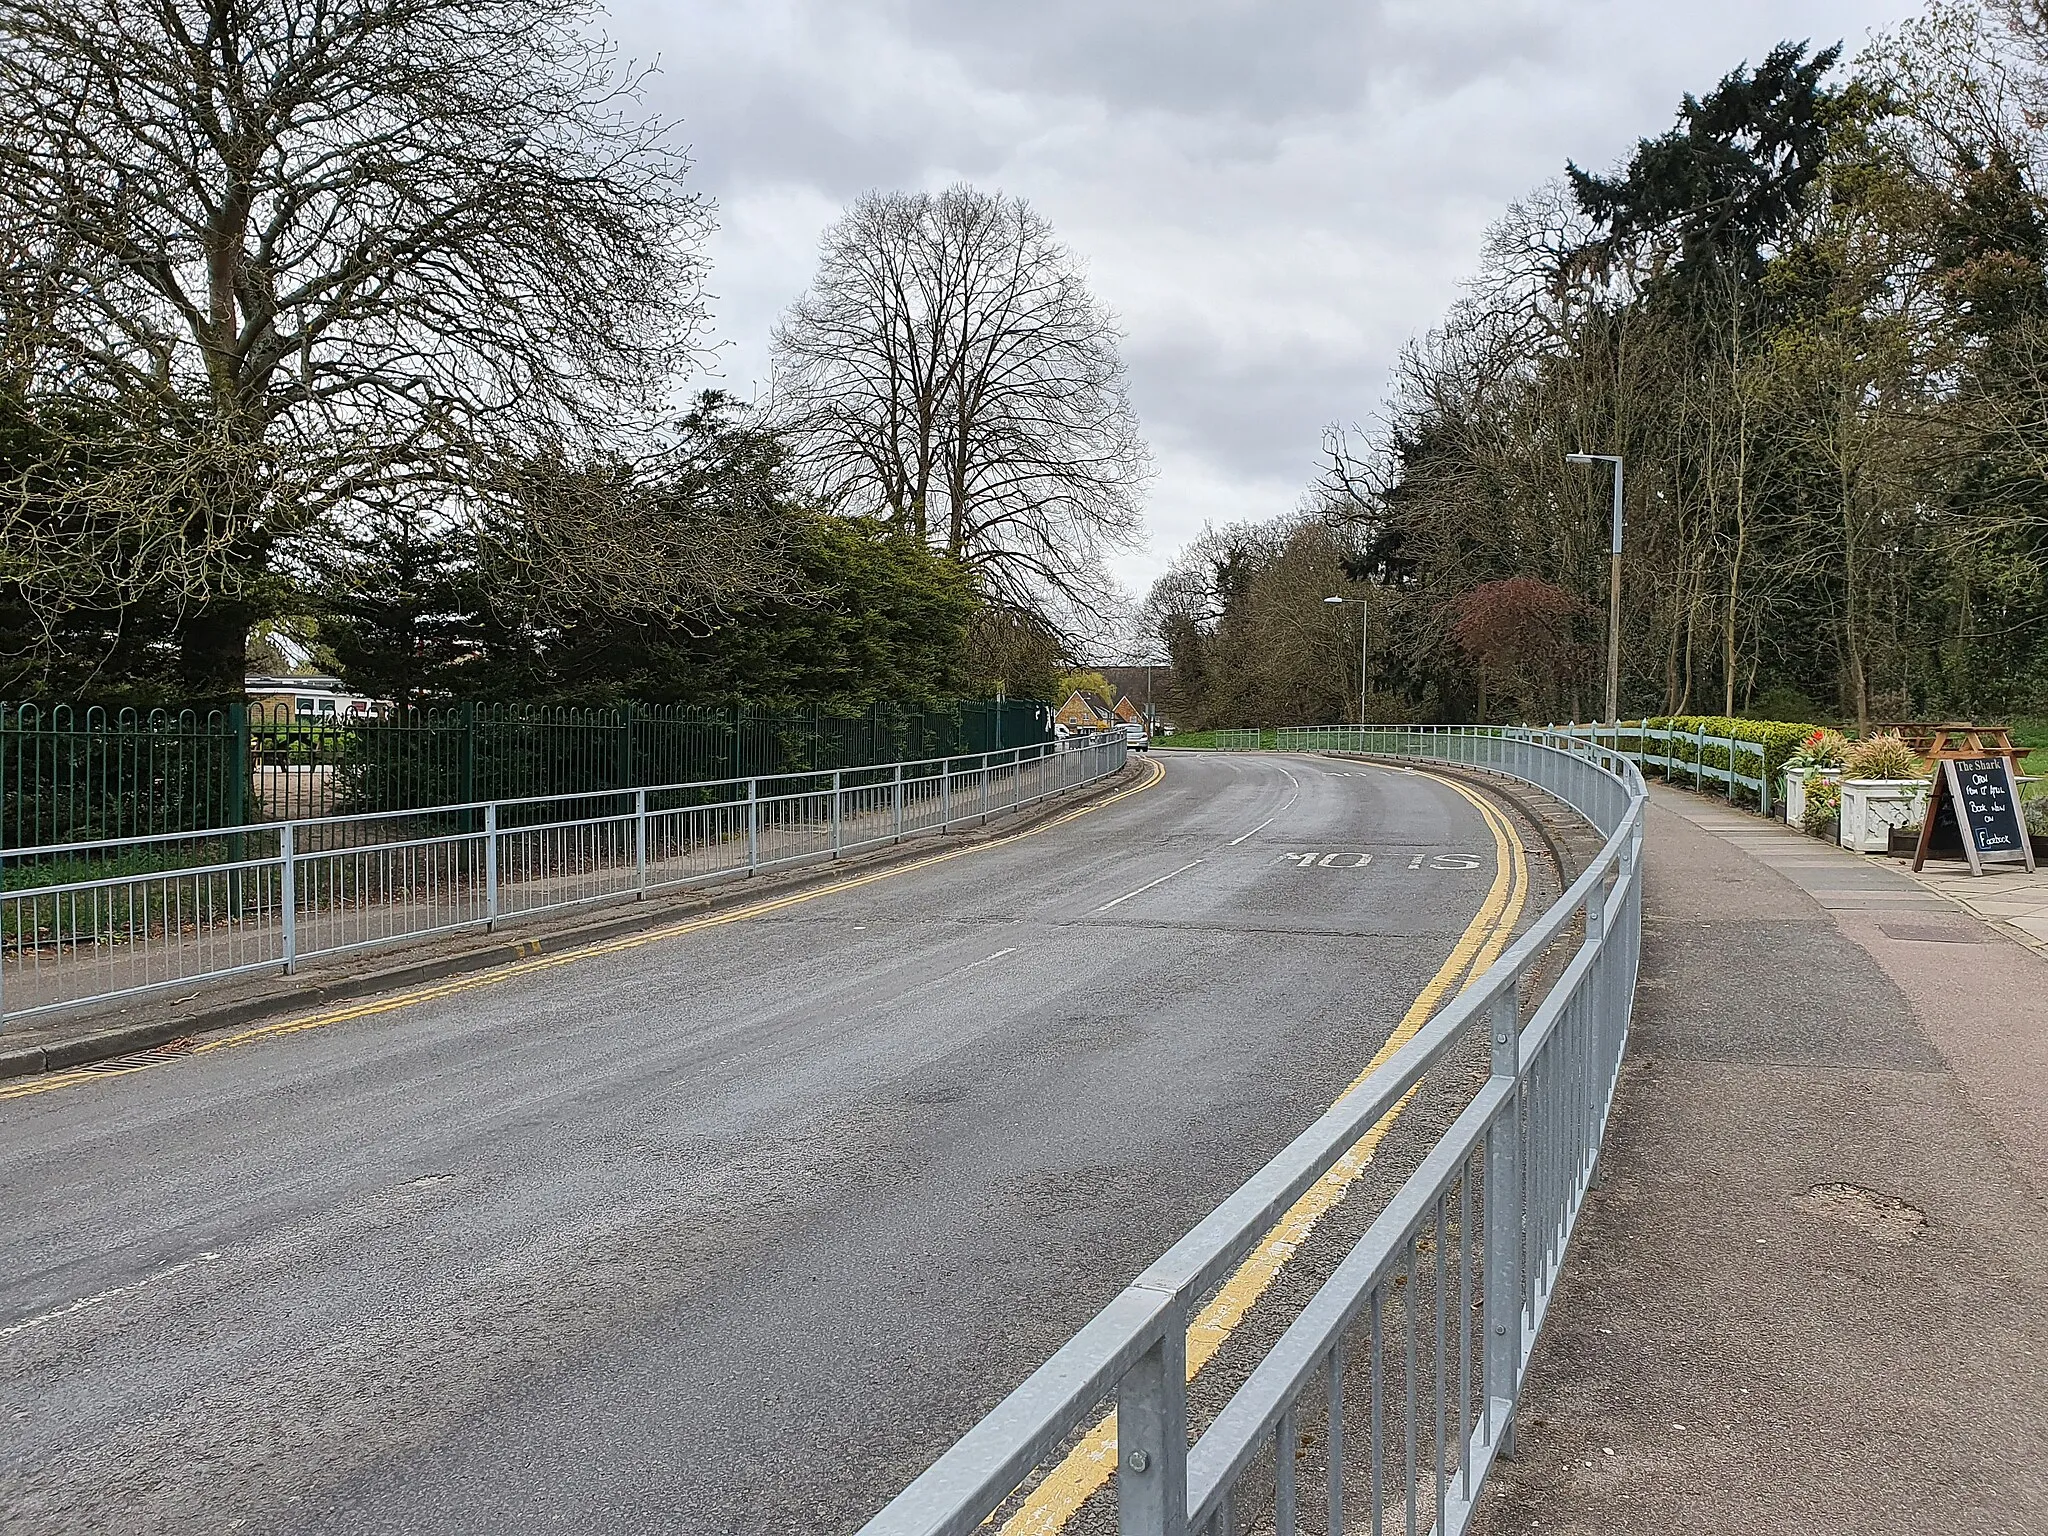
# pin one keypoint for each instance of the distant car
(1137, 736)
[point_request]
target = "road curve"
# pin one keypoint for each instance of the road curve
(730, 1232)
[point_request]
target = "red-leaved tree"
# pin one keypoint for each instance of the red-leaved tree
(1522, 636)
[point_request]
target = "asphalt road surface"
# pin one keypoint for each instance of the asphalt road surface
(732, 1231)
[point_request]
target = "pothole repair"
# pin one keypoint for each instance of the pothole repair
(1885, 1217)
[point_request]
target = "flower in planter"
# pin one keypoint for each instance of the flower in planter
(1822, 749)
(1884, 756)
(1823, 805)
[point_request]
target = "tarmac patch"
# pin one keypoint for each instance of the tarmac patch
(1884, 1217)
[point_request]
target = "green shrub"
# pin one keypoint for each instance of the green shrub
(1779, 738)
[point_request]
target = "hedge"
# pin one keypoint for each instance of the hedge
(1779, 738)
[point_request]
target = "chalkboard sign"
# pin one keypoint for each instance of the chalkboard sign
(1987, 810)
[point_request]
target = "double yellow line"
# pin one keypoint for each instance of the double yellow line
(412, 996)
(1087, 1468)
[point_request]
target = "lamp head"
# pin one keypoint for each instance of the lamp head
(1578, 458)
(1333, 599)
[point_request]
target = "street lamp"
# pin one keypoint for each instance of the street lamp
(1363, 615)
(1613, 584)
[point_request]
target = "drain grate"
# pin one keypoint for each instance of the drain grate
(170, 1050)
(1936, 933)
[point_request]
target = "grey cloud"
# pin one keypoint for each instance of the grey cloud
(1274, 194)
(1264, 60)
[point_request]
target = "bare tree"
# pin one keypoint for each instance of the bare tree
(296, 255)
(949, 368)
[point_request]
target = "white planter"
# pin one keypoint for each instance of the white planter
(1871, 808)
(1795, 790)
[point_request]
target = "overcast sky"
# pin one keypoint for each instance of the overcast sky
(1272, 196)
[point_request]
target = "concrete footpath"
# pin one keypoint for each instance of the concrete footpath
(1810, 1293)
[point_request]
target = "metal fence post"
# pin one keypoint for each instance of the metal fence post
(640, 843)
(288, 895)
(491, 865)
(898, 797)
(238, 800)
(753, 825)
(1602, 979)
(835, 812)
(468, 765)
(987, 788)
(1503, 1284)
(1152, 1436)
(945, 793)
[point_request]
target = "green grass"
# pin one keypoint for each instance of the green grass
(1207, 740)
(2031, 733)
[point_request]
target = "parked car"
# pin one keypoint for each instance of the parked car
(1137, 736)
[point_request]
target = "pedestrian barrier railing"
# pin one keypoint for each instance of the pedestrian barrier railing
(143, 913)
(1696, 755)
(1390, 1395)
(1674, 754)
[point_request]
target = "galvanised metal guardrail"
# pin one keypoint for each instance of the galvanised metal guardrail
(1396, 1387)
(173, 909)
(1675, 758)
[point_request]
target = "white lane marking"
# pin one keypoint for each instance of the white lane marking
(84, 1302)
(984, 960)
(1255, 831)
(936, 981)
(1141, 890)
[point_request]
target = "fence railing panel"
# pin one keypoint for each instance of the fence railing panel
(1387, 1399)
(72, 775)
(129, 915)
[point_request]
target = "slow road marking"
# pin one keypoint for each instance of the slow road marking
(1088, 1467)
(392, 1002)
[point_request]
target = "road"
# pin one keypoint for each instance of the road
(727, 1231)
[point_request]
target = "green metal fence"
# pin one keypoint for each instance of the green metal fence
(75, 774)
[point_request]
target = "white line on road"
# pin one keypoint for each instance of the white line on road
(984, 960)
(92, 1301)
(937, 981)
(1141, 890)
(1255, 831)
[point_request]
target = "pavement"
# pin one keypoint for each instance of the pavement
(2009, 897)
(730, 1226)
(1810, 1290)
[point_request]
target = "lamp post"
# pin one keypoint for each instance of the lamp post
(1364, 614)
(1613, 584)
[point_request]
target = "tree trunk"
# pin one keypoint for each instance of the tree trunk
(1729, 631)
(213, 650)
